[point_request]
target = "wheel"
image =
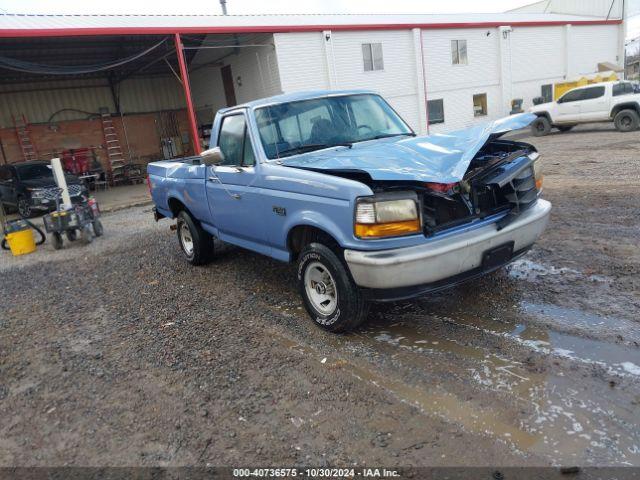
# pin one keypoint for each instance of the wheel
(24, 208)
(72, 235)
(97, 227)
(195, 243)
(626, 120)
(86, 234)
(330, 296)
(541, 126)
(565, 128)
(56, 239)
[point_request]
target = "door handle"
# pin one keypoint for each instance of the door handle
(213, 179)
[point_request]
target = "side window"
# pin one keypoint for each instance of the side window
(248, 158)
(235, 143)
(546, 92)
(571, 96)
(622, 89)
(5, 174)
(593, 92)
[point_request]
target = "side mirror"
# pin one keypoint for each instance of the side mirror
(213, 156)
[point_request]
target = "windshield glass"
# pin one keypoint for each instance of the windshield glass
(297, 127)
(38, 170)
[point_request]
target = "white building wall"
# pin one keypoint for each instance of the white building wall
(323, 60)
(255, 75)
(456, 84)
(589, 45)
(301, 61)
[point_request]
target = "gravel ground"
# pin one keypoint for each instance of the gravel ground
(119, 353)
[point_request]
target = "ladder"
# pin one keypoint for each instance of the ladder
(115, 157)
(24, 138)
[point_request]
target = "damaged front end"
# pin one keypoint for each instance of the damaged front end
(503, 178)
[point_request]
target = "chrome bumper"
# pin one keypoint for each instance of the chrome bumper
(447, 257)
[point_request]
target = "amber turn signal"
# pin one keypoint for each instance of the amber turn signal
(391, 229)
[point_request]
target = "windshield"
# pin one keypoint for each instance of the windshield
(31, 172)
(297, 127)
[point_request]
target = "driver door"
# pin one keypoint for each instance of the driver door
(234, 200)
(568, 107)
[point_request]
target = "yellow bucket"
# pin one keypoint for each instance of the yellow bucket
(21, 242)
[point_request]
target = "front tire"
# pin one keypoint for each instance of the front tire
(98, 229)
(57, 241)
(541, 126)
(330, 296)
(627, 120)
(195, 243)
(24, 208)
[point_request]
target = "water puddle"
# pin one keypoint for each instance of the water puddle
(523, 269)
(431, 400)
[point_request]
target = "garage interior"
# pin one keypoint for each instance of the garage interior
(108, 105)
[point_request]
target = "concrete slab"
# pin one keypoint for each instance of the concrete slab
(117, 198)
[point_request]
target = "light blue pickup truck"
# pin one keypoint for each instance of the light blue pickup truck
(337, 182)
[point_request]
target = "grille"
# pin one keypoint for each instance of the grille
(53, 193)
(521, 190)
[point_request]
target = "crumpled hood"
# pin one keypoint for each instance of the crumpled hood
(441, 158)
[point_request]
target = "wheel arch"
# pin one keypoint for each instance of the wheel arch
(543, 114)
(625, 106)
(303, 234)
(176, 206)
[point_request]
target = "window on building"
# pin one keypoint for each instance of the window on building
(372, 56)
(479, 104)
(624, 88)
(459, 52)
(435, 111)
(546, 92)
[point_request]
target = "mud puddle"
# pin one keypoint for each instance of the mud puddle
(562, 407)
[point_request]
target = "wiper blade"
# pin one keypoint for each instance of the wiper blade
(387, 135)
(310, 147)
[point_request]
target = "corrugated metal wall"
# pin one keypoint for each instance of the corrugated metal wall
(38, 101)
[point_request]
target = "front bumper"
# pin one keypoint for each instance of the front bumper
(411, 271)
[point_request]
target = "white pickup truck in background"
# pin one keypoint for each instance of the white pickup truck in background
(603, 102)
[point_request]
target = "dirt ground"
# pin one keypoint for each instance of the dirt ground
(120, 354)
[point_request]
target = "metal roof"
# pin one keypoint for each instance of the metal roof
(23, 25)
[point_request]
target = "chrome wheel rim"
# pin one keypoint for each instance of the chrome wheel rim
(321, 288)
(186, 239)
(23, 208)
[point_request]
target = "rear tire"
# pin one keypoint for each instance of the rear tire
(330, 296)
(626, 120)
(565, 128)
(195, 243)
(541, 126)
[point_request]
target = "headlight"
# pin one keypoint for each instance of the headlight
(537, 170)
(387, 216)
(36, 192)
